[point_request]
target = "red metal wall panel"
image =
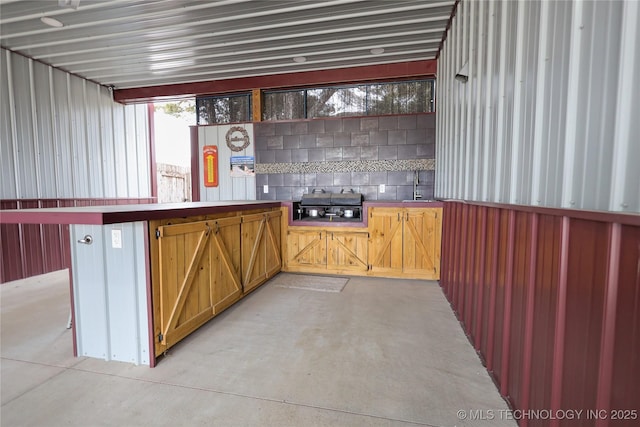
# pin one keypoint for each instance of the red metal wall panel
(444, 256)
(52, 241)
(32, 250)
(491, 271)
(556, 301)
(516, 337)
(469, 284)
(500, 295)
(477, 279)
(625, 388)
(545, 300)
(11, 268)
(587, 273)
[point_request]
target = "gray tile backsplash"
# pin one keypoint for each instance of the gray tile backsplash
(301, 155)
(283, 156)
(394, 138)
(291, 142)
(399, 185)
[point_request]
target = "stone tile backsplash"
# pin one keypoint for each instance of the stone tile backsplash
(293, 158)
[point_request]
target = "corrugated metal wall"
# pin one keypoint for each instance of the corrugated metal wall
(549, 114)
(64, 137)
(549, 295)
(550, 298)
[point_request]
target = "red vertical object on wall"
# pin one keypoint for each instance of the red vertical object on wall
(559, 317)
(210, 165)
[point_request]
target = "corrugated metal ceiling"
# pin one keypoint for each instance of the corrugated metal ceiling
(129, 44)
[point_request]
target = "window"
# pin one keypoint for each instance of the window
(287, 105)
(355, 100)
(224, 109)
(399, 98)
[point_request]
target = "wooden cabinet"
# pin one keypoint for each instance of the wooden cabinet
(306, 249)
(198, 275)
(260, 248)
(405, 242)
(202, 267)
(314, 249)
(347, 251)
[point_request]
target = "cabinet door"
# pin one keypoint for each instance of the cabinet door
(421, 247)
(197, 276)
(347, 251)
(385, 240)
(226, 282)
(306, 250)
(260, 248)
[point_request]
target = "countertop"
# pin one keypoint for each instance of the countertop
(114, 214)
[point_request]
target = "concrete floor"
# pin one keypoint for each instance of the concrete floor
(383, 352)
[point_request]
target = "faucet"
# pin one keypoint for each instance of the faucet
(416, 180)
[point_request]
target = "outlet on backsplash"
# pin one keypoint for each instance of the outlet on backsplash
(382, 188)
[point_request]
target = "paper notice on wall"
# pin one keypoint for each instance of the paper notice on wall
(242, 166)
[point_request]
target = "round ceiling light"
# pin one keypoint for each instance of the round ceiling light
(377, 50)
(299, 59)
(52, 22)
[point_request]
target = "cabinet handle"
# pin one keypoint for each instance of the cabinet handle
(398, 216)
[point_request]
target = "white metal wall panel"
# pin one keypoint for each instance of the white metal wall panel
(553, 63)
(9, 186)
(626, 177)
(524, 101)
(110, 288)
(143, 175)
(229, 188)
(546, 116)
(506, 82)
(62, 136)
(93, 138)
(131, 154)
(43, 120)
(108, 147)
(24, 148)
(120, 155)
